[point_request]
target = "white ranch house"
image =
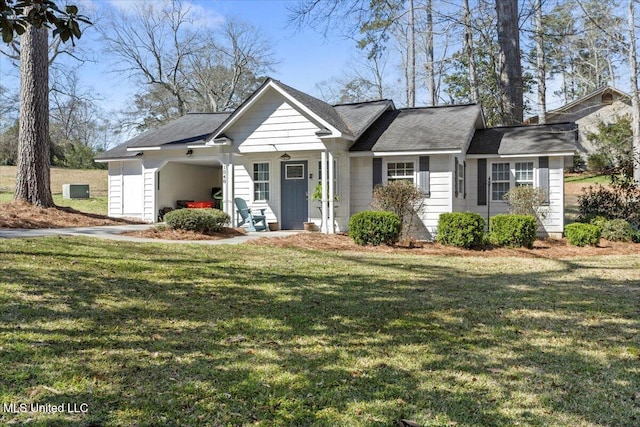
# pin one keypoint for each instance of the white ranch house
(281, 143)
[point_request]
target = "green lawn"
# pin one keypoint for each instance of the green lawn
(96, 205)
(253, 335)
(589, 179)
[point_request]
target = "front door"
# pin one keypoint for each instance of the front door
(294, 205)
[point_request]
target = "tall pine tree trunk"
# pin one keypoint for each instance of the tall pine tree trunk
(635, 93)
(412, 55)
(540, 65)
(32, 180)
(510, 61)
(431, 68)
(468, 47)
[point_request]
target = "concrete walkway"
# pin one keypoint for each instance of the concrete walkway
(114, 232)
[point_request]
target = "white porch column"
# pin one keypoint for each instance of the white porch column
(227, 187)
(324, 184)
(331, 179)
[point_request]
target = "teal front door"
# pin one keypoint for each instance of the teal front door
(294, 205)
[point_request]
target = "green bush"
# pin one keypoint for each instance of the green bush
(513, 230)
(614, 202)
(580, 234)
(461, 229)
(599, 221)
(198, 220)
(617, 230)
(374, 228)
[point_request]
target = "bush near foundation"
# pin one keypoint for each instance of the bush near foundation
(198, 220)
(580, 234)
(374, 228)
(513, 230)
(461, 229)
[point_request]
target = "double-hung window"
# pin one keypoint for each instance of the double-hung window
(400, 171)
(261, 181)
(524, 174)
(500, 180)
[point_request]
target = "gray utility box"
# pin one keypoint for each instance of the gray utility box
(75, 191)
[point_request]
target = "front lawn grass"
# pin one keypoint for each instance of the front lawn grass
(254, 335)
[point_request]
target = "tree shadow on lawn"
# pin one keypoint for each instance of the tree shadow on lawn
(237, 336)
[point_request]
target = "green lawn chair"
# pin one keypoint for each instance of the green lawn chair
(250, 221)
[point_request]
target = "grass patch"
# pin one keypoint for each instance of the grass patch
(95, 205)
(588, 179)
(239, 335)
(96, 178)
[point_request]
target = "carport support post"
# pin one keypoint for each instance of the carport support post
(227, 187)
(332, 191)
(324, 184)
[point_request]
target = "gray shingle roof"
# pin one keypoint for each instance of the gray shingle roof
(191, 128)
(538, 139)
(359, 116)
(421, 129)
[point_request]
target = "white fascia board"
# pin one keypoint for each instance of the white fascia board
(513, 156)
(401, 153)
(157, 148)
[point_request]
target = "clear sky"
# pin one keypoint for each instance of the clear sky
(305, 57)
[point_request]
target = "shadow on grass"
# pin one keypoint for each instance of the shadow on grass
(242, 335)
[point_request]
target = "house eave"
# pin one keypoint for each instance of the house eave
(513, 156)
(401, 153)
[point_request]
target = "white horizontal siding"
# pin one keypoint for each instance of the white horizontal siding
(361, 184)
(149, 199)
(114, 194)
(441, 199)
(272, 120)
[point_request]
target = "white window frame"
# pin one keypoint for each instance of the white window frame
(500, 181)
(524, 182)
(256, 182)
(406, 177)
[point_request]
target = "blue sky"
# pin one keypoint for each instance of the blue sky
(306, 57)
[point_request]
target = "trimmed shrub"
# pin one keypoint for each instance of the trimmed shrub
(374, 228)
(580, 234)
(198, 220)
(617, 230)
(513, 230)
(599, 221)
(461, 229)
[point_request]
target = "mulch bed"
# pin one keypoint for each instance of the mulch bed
(169, 234)
(23, 215)
(545, 248)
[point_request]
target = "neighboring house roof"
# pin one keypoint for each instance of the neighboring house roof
(421, 129)
(583, 99)
(191, 128)
(359, 116)
(532, 139)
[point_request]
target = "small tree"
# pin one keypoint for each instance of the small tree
(401, 198)
(614, 145)
(525, 200)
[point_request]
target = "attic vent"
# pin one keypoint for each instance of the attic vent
(607, 98)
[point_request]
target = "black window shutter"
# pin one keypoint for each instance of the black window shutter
(424, 164)
(464, 178)
(424, 176)
(543, 176)
(455, 179)
(377, 171)
(482, 182)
